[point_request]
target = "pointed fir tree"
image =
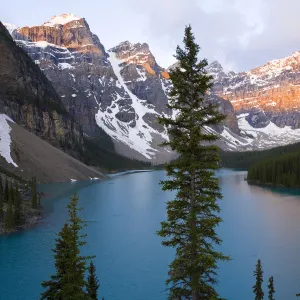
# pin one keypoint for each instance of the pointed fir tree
(11, 194)
(194, 214)
(1, 200)
(18, 216)
(271, 288)
(62, 253)
(6, 190)
(92, 285)
(9, 216)
(34, 199)
(68, 281)
(257, 288)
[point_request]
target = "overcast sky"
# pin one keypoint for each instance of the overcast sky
(241, 34)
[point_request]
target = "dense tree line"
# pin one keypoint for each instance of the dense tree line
(11, 203)
(100, 152)
(243, 160)
(278, 170)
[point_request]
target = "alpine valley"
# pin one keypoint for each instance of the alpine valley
(115, 96)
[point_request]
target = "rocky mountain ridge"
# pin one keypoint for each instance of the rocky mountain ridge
(270, 93)
(122, 91)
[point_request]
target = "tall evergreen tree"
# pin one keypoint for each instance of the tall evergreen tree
(18, 217)
(92, 282)
(6, 190)
(62, 250)
(34, 199)
(257, 288)
(194, 214)
(68, 282)
(9, 217)
(11, 194)
(1, 199)
(271, 288)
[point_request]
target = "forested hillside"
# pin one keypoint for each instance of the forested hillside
(244, 160)
(277, 170)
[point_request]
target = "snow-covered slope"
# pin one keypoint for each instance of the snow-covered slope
(251, 138)
(122, 91)
(136, 134)
(61, 20)
(5, 139)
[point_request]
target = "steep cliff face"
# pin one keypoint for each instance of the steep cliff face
(142, 75)
(120, 93)
(29, 99)
(92, 88)
(270, 93)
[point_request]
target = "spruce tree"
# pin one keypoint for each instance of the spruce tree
(6, 190)
(92, 282)
(68, 282)
(271, 288)
(34, 199)
(194, 214)
(18, 217)
(62, 253)
(9, 217)
(1, 199)
(257, 288)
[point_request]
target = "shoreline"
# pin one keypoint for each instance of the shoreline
(35, 217)
(128, 172)
(270, 184)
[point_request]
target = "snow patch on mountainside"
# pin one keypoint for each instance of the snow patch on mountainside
(269, 136)
(138, 137)
(61, 20)
(5, 140)
(10, 27)
(276, 66)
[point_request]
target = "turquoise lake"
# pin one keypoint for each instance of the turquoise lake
(124, 212)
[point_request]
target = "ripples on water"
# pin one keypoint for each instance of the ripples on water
(124, 212)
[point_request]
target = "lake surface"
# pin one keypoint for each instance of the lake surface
(123, 214)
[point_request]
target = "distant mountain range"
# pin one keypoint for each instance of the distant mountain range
(120, 92)
(38, 136)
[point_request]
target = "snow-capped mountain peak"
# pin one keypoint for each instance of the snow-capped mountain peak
(122, 91)
(277, 66)
(62, 19)
(137, 54)
(10, 27)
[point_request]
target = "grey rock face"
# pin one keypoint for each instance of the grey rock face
(269, 93)
(143, 76)
(124, 90)
(29, 99)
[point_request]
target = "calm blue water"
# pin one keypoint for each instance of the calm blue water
(123, 214)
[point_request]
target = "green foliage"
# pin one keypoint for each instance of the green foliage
(243, 160)
(92, 282)
(96, 153)
(193, 214)
(18, 216)
(6, 190)
(9, 216)
(278, 170)
(68, 283)
(34, 199)
(1, 199)
(257, 288)
(271, 288)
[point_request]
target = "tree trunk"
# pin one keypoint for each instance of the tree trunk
(194, 245)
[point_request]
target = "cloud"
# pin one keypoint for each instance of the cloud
(241, 34)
